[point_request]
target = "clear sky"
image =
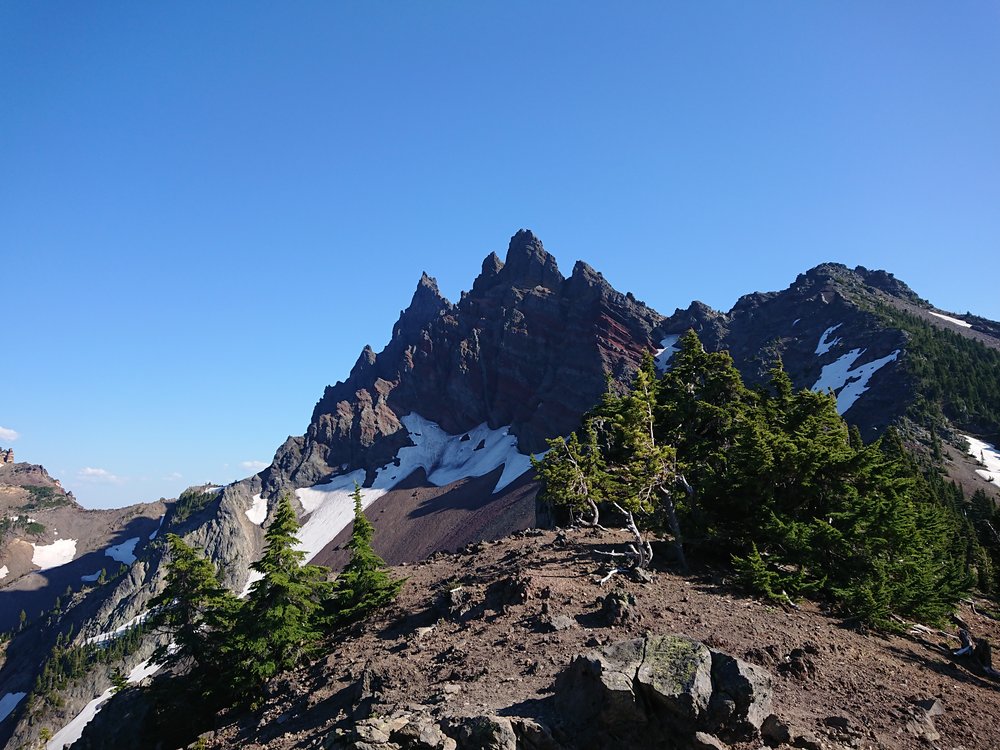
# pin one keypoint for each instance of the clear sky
(208, 208)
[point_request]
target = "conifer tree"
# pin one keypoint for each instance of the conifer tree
(573, 475)
(194, 607)
(365, 583)
(282, 621)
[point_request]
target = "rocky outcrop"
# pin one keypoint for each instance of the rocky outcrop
(526, 347)
(659, 691)
(6, 456)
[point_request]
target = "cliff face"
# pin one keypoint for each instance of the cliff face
(526, 348)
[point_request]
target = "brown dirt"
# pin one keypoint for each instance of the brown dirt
(416, 519)
(500, 659)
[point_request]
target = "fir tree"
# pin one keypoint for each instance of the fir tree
(365, 583)
(282, 621)
(193, 607)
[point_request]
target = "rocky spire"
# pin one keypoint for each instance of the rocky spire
(528, 265)
(427, 305)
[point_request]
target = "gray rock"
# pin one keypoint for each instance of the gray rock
(659, 691)
(741, 696)
(482, 733)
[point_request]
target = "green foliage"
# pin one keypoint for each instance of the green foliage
(43, 497)
(282, 621)
(365, 584)
(956, 377)
(194, 608)
(775, 482)
(191, 502)
(573, 474)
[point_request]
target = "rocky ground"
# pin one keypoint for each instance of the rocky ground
(58, 517)
(482, 648)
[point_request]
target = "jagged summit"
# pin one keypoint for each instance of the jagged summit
(528, 264)
(426, 305)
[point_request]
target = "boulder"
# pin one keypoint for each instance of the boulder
(660, 691)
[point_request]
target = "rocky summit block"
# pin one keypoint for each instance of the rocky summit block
(659, 691)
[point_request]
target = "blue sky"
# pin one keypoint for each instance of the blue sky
(208, 209)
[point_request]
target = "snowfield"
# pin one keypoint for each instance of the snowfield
(112, 634)
(950, 319)
(848, 384)
(124, 552)
(988, 454)
(824, 346)
(258, 511)
(60, 552)
(8, 703)
(668, 347)
(3, 572)
(156, 531)
(445, 458)
(91, 578)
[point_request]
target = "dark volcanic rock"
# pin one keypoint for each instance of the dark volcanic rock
(526, 348)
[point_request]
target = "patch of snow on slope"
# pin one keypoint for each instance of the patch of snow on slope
(950, 319)
(330, 510)
(258, 511)
(8, 703)
(60, 552)
(124, 552)
(445, 459)
(92, 577)
(112, 634)
(74, 730)
(988, 454)
(3, 572)
(667, 350)
(157, 529)
(824, 346)
(849, 384)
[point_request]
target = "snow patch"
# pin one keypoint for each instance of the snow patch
(824, 346)
(950, 319)
(3, 572)
(667, 349)
(112, 634)
(60, 552)
(330, 510)
(124, 552)
(156, 531)
(988, 454)
(258, 511)
(92, 577)
(8, 703)
(142, 671)
(70, 733)
(796, 322)
(74, 730)
(445, 458)
(849, 383)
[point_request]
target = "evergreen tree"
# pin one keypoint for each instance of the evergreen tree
(282, 621)
(194, 607)
(365, 583)
(573, 475)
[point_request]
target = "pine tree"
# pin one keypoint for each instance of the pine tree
(282, 621)
(365, 583)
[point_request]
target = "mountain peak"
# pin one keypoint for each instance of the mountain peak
(528, 263)
(426, 305)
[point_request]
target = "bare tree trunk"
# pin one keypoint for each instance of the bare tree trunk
(675, 529)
